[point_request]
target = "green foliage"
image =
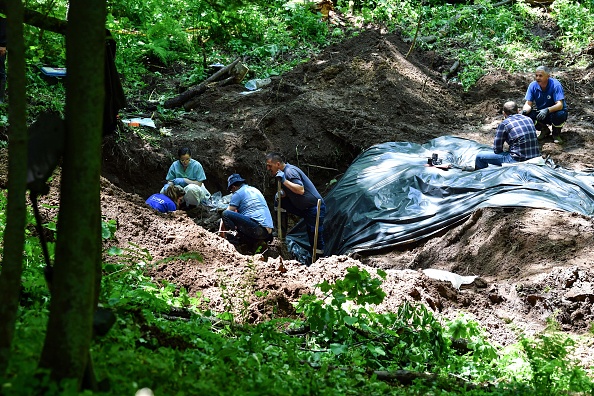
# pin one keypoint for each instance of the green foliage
(199, 33)
(108, 229)
(553, 372)
(409, 338)
(576, 21)
(480, 36)
(166, 39)
(272, 37)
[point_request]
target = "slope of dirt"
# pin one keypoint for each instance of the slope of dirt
(533, 264)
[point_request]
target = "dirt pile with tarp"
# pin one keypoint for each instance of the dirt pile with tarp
(399, 193)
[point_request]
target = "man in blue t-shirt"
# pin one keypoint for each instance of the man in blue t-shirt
(299, 196)
(545, 104)
(247, 214)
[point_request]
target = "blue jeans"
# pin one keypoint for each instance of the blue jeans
(248, 230)
(309, 217)
(484, 158)
(556, 119)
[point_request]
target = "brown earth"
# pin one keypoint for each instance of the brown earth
(533, 263)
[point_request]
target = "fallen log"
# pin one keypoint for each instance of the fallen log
(427, 39)
(182, 98)
(193, 103)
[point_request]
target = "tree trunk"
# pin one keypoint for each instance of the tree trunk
(77, 268)
(14, 234)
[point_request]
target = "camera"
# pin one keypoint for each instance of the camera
(434, 160)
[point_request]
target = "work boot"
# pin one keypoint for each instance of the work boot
(544, 131)
(557, 135)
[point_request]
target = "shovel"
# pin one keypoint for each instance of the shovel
(278, 212)
(282, 248)
(315, 245)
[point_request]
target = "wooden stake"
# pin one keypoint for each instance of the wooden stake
(279, 231)
(315, 246)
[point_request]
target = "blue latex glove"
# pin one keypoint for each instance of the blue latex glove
(542, 114)
(180, 181)
(280, 175)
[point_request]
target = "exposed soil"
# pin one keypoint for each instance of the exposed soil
(532, 263)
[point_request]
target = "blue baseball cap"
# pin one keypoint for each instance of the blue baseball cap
(234, 178)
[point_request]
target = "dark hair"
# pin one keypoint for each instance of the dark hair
(184, 151)
(275, 157)
(510, 107)
(174, 192)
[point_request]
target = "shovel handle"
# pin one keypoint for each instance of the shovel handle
(315, 245)
(279, 231)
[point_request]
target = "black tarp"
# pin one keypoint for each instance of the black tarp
(389, 197)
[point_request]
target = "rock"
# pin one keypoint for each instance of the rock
(577, 315)
(581, 292)
(415, 294)
(480, 283)
(495, 298)
(532, 299)
(447, 293)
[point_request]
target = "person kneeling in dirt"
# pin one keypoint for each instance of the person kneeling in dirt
(247, 214)
(299, 196)
(189, 174)
(545, 104)
(168, 202)
(518, 132)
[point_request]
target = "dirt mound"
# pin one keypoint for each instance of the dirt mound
(501, 244)
(320, 115)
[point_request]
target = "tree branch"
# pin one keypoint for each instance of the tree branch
(179, 100)
(39, 20)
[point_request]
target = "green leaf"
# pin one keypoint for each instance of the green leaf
(338, 349)
(376, 350)
(112, 267)
(115, 251)
(51, 225)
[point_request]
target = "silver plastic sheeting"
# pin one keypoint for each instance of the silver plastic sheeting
(389, 196)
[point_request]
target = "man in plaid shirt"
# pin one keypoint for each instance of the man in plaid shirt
(518, 132)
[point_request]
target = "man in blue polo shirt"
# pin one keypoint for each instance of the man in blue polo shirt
(518, 132)
(545, 104)
(247, 214)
